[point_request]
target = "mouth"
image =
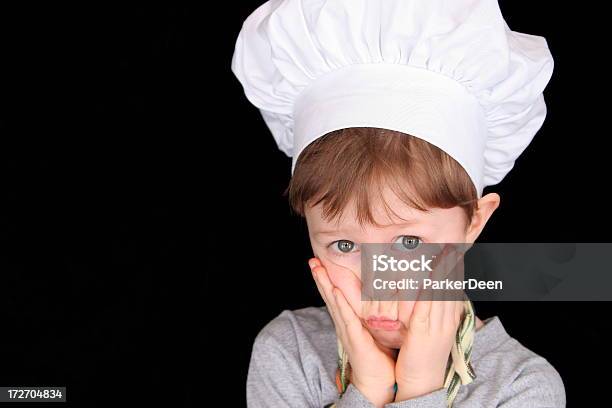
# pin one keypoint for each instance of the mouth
(383, 323)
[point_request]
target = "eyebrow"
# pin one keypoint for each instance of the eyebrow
(340, 231)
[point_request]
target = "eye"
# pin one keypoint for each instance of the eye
(344, 246)
(406, 243)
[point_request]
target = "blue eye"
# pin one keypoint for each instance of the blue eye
(406, 243)
(345, 246)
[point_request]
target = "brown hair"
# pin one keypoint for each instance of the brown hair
(356, 163)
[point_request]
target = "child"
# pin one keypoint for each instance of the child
(397, 114)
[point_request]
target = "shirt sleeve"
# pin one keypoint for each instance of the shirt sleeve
(539, 385)
(435, 399)
(274, 378)
(353, 398)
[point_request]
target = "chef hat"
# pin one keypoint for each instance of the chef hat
(448, 72)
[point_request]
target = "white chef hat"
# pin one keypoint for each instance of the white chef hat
(448, 72)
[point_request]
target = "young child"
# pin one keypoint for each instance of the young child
(397, 114)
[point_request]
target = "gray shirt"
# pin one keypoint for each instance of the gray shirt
(294, 360)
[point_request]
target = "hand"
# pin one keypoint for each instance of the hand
(372, 365)
(422, 360)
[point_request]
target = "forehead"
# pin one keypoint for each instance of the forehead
(387, 209)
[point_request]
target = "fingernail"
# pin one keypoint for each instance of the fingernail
(311, 263)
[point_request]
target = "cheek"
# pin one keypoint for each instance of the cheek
(342, 271)
(350, 264)
(347, 280)
(343, 279)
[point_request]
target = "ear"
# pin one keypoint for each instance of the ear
(486, 206)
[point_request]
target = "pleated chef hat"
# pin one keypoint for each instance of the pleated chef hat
(449, 72)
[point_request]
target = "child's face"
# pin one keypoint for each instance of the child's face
(336, 244)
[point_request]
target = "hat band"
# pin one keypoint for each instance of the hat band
(403, 98)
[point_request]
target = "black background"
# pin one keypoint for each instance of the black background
(145, 239)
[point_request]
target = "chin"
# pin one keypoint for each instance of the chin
(391, 340)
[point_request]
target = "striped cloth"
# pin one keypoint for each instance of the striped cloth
(459, 369)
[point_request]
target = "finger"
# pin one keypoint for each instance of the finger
(327, 288)
(438, 306)
(454, 298)
(337, 321)
(319, 285)
(346, 318)
(347, 279)
(320, 275)
(459, 312)
(350, 283)
(443, 296)
(314, 262)
(326, 282)
(422, 307)
(450, 308)
(456, 314)
(354, 328)
(440, 257)
(445, 264)
(323, 278)
(327, 298)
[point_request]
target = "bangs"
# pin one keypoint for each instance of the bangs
(355, 165)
